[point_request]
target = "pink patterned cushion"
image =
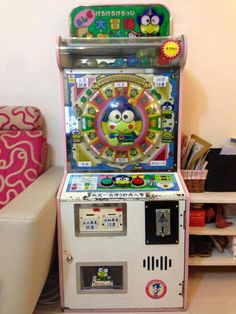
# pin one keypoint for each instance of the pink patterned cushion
(20, 118)
(22, 160)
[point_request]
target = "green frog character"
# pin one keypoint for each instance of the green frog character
(102, 274)
(120, 122)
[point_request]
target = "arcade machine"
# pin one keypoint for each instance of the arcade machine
(122, 205)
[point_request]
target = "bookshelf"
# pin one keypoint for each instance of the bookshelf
(217, 258)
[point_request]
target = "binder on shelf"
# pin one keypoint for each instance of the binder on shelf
(221, 172)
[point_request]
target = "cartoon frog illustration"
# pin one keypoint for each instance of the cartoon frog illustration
(120, 122)
(102, 274)
(150, 22)
(122, 180)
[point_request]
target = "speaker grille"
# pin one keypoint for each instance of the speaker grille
(162, 263)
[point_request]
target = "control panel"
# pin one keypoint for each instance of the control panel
(122, 181)
(92, 187)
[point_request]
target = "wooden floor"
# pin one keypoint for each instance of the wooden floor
(212, 290)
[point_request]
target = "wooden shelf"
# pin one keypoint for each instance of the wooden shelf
(210, 229)
(213, 197)
(217, 259)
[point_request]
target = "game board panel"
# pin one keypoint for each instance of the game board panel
(121, 121)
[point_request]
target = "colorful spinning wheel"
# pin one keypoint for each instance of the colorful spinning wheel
(121, 120)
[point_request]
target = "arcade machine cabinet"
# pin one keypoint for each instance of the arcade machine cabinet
(122, 205)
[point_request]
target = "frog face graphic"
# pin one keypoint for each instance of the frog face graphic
(120, 122)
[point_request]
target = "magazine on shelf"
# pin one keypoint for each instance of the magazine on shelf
(194, 153)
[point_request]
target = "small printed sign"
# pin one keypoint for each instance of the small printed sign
(160, 80)
(156, 289)
(120, 84)
(84, 164)
(171, 49)
(82, 82)
(156, 163)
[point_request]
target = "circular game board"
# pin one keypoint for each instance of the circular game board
(121, 119)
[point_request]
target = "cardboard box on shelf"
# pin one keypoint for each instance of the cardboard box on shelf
(197, 217)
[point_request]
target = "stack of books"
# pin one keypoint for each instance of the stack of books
(193, 153)
(193, 162)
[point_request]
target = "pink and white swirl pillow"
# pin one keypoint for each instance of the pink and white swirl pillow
(20, 118)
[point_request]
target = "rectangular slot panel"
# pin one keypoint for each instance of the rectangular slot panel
(100, 219)
(101, 277)
(163, 219)
(162, 222)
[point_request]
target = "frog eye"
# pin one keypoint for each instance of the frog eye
(167, 107)
(126, 179)
(105, 270)
(115, 116)
(145, 20)
(155, 20)
(100, 269)
(127, 116)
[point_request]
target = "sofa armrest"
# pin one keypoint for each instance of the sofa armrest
(28, 204)
(27, 232)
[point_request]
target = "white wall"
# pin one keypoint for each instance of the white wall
(29, 74)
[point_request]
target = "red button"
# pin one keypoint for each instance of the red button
(96, 209)
(119, 209)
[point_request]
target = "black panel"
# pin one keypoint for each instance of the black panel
(221, 172)
(150, 222)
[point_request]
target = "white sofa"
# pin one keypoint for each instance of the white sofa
(27, 231)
